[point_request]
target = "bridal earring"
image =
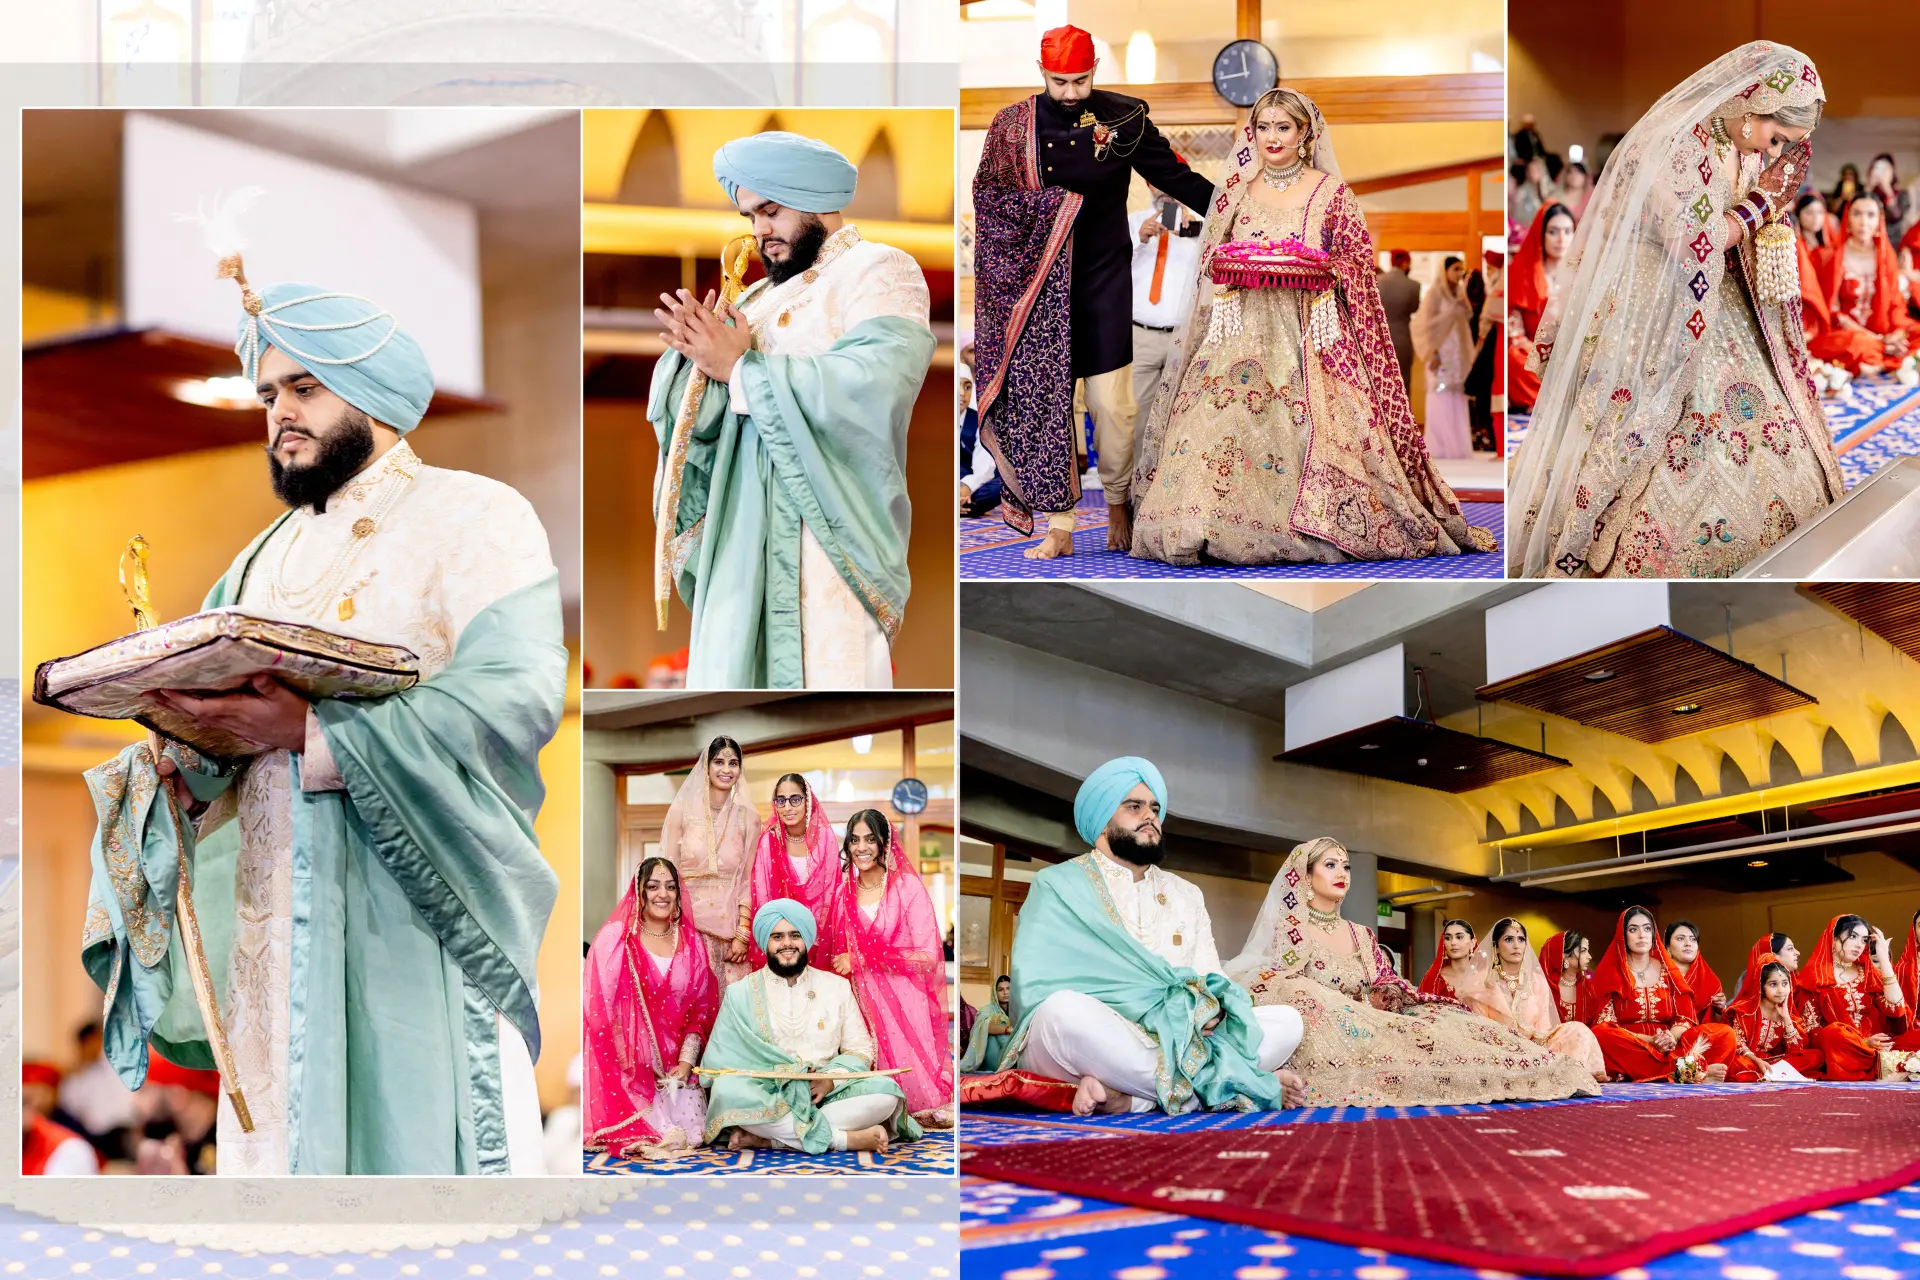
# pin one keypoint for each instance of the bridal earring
(1746, 130)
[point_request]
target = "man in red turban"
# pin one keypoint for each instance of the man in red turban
(46, 1147)
(1053, 277)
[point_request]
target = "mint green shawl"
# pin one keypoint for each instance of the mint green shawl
(420, 898)
(743, 1039)
(1071, 939)
(825, 446)
(983, 1051)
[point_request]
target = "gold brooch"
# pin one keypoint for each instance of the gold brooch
(1176, 939)
(810, 995)
(1086, 118)
(346, 609)
(823, 1025)
(363, 527)
(782, 322)
(1160, 898)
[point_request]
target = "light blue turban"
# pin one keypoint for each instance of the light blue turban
(355, 349)
(783, 909)
(1101, 794)
(798, 172)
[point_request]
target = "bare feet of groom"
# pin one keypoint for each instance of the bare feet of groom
(1057, 543)
(1293, 1090)
(871, 1138)
(1120, 527)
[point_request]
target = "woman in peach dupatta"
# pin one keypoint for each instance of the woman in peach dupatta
(709, 835)
(1866, 296)
(647, 1017)
(798, 856)
(1851, 989)
(1504, 982)
(882, 935)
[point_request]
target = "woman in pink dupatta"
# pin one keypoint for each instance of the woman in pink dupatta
(647, 1018)
(708, 834)
(881, 933)
(798, 856)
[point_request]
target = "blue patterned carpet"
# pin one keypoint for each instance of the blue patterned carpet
(989, 549)
(932, 1154)
(1011, 1232)
(1874, 421)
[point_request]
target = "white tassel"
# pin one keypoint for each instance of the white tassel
(220, 224)
(1323, 321)
(1225, 319)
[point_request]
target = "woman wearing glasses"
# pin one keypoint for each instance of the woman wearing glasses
(798, 856)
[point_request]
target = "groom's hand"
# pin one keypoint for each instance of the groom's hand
(263, 711)
(702, 336)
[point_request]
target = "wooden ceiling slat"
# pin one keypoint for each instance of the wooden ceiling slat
(1654, 671)
(1392, 749)
(1891, 610)
(1341, 99)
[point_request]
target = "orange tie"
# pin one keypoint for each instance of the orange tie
(1159, 271)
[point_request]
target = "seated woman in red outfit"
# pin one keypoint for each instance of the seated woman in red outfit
(1450, 960)
(1907, 970)
(1865, 296)
(1849, 986)
(1767, 1030)
(1643, 1010)
(1528, 286)
(1564, 957)
(1709, 998)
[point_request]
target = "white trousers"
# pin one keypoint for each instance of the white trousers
(1074, 1035)
(862, 1112)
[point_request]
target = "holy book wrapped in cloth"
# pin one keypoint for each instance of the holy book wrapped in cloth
(215, 651)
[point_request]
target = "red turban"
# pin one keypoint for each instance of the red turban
(40, 1073)
(1066, 51)
(160, 1071)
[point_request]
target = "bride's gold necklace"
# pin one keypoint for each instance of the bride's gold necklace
(1324, 919)
(1283, 177)
(1512, 984)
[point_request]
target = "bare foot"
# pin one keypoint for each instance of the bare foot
(1057, 543)
(871, 1138)
(1716, 1072)
(1600, 1077)
(1293, 1090)
(741, 1140)
(1120, 527)
(1089, 1096)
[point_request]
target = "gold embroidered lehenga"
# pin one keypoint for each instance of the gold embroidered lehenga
(1370, 1039)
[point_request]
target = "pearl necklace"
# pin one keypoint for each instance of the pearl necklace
(1285, 176)
(312, 597)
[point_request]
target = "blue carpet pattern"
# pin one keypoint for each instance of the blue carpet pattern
(989, 549)
(852, 1227)
(932, 1154)
(1011, 1232)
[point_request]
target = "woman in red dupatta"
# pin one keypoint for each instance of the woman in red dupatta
(1528, 285)
(1563, 958)
(1907, 971)
(881, 932)
(1450, 959)
(1866, 298)
(647, 1017)
(798, 856)
(1909, 257)
(1854, 996)
(1683, 945)
(1643, 1009)
(1767, 1028)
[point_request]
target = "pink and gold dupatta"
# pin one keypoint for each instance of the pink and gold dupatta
(773, 875)
(899, 978)
(637, 1019)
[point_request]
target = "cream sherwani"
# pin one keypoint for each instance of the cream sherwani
(816, 1019)
(842, 645)
(419, 551)
(1073, 1035)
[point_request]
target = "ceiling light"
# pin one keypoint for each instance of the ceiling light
(862, 743)
(1369, 746)
(1686, 708)
(1758, 862)
(1422, 762)
(989, 9)
(1602, 674)
(1461, 768)
(1142, 59)
(218, 393)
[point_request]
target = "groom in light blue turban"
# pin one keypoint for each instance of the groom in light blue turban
(399, 1034)
(782, 419)
(792, 1020)
(1112, 946)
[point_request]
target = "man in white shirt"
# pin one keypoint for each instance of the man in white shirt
(1166, 270)
(1141, 1016)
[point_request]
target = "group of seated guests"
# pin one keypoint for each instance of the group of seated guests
(1653, 1000)
(86, 1121)
(1118, 999)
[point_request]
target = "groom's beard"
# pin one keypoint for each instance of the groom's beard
(1067, 111)
(793, 970)
(1123, 845)
(802, 251)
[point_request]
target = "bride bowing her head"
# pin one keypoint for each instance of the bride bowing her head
(1282, 432)
(1370, 1038)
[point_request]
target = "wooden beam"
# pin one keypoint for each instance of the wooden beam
(1438, 173)
(1473, 220)
(1431, 231)
(1342, 99)
(1247, 20)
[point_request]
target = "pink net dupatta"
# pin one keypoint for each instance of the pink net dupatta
(773, 875)
(637, 1020)
(899, 977)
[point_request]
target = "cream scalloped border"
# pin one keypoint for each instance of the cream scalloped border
(269, 1215)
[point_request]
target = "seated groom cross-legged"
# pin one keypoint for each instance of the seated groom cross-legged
(791, 1017)
(1118, 981)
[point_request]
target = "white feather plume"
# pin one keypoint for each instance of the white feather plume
(219, 219)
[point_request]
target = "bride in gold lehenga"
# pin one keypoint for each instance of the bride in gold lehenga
(1281, 432)
(1371, 1039)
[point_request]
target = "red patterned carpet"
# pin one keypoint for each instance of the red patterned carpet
(1576, 1190)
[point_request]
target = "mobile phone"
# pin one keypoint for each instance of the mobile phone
(1168, 214)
